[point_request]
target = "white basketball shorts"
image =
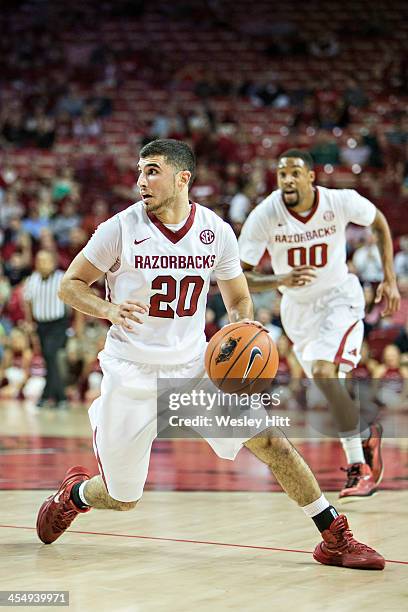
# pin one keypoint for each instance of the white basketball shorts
(124, 422)
(328, 328)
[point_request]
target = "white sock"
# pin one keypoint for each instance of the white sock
(316, 507)
(351, 442)
(81, 493)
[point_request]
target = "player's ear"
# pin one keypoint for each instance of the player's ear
(184, 178)
(312, 175)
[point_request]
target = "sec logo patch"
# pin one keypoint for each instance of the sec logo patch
(207, 236)
(328, 215)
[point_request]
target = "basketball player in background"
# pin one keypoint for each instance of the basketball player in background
(155, 254)
(303, 227)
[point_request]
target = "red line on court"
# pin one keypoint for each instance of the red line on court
(139, 537)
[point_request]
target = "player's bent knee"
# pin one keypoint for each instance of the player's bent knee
(324, 369)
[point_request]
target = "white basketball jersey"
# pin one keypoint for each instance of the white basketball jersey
(170, 271)
(318, 239)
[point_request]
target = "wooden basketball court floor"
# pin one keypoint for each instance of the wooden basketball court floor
(208, 534)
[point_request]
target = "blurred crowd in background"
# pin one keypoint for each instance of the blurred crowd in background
(81, 90)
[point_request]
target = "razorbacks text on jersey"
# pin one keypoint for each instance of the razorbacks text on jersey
(167, 267)
(316, 239)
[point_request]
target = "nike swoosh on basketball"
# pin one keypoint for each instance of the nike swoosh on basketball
(255, 352)
(139, 241)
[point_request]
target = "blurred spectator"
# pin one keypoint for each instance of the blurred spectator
(367, 261)
(40, 129)
(45, 310)
(99, 213)
(44, 135)
(354, 94)
(370, 139)
(15, 311)
(5, 290)
(34, 223)
(77, 239)
(326, 150)
(355, 152)
(401, 341)
(12, 129)
(325, 46)
(241, 203)
(392, 379)
(15, 365)
(205, 188)
(71, 365)
(87, 125)
(64, 185)
(71, 102)
(401, 258)
(8, 174)
(398, 135)
(100, 102)
(16, 268)
(16, 239)
(64, 221)
(47, 241)
(167, 125)
(10, 208)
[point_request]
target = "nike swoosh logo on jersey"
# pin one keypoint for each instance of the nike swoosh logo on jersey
(139, 241)
(255, 352)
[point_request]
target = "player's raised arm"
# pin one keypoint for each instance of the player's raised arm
(388, 289)
(76, 291)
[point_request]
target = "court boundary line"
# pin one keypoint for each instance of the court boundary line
(185, 541)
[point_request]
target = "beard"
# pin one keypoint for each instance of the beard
(291, 200)
(157, 207)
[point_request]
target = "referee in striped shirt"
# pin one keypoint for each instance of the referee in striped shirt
(48, 313)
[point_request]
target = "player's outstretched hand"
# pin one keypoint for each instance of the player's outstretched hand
(389, 291)
(298, 277)
(123, 314)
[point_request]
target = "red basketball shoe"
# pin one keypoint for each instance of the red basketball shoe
(360, 482)
(58, 511)
(372, 452)
(340, 548)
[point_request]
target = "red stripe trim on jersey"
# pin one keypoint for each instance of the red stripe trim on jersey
(338, 358)
(99, 460)
(347, 362)
(174, 236)
(311, 212)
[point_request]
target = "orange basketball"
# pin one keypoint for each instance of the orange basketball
(241, 358)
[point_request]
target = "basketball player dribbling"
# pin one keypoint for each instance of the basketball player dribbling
(157, 257)
(303, 229)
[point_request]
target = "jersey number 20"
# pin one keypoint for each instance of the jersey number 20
(315, 256)
(188, 284)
